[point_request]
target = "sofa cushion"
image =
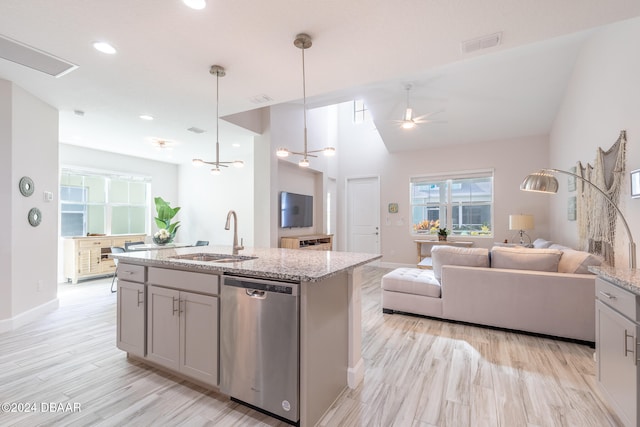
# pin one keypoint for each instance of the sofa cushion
(573, 261)
(452, 255)
(525, 259)
(412, 281)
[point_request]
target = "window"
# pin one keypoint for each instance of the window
(461, 202)
(102, 203)
(360, 112)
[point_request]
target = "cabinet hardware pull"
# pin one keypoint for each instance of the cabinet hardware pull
(175, 310)
(183, 306)
(607, 295)
(140, 302)
(626, 349)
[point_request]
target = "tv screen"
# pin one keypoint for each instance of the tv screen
(296, 210)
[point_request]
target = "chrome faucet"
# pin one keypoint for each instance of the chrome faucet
(236, 247)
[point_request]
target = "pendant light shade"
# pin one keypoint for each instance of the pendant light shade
(303, 42)
(217, 71)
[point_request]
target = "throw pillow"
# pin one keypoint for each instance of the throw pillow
(525, 259)
(573, 261)
(541, 243)
(452, 255)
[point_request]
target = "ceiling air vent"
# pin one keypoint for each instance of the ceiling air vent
(196, 130)
(483, 42)
(20, 53)
(260, 99)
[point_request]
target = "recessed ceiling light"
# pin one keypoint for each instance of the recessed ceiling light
(146, 117)
(195, 4)
(235, 144)
(104, 47)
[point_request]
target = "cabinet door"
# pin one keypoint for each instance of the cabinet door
(163, 326)
(617, 347)
(131, 319)
(89, 261)
(199, 337)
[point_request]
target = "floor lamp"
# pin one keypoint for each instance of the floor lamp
(543, 181)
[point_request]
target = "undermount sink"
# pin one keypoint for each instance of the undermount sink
(214, 257)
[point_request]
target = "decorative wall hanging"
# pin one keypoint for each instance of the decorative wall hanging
(571, 208)
(571, 180)
(35, 216)
(635, 183)
(26, 186)
(596, 217)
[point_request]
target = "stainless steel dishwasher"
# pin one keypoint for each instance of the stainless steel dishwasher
(259, 345)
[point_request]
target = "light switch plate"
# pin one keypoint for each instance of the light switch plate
(47, 196)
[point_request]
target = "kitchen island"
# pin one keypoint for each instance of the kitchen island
(171, 315)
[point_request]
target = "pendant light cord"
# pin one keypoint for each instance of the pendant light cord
(217, 121)
(304, 104)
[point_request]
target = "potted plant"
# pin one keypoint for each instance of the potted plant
(442, 234)
(166, 229)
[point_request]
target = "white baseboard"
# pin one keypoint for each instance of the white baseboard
(355, 375)
(28, 316)
(395, 265)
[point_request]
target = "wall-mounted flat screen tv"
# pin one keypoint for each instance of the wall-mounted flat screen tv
(296, 210)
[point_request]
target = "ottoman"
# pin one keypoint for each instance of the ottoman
(411, 290)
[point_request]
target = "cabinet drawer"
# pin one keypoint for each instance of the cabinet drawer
(132, 273)
(99, 243)
(620, 299)
(184, 280)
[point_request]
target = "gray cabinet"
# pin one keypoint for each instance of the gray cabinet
(617, 341)
(131, 319)
(183, 332)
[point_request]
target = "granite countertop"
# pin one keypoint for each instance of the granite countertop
(624, 277)
(283, 264)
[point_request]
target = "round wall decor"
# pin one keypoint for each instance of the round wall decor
(35, 216)
(26, 186)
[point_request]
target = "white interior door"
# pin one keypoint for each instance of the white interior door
(363, 215)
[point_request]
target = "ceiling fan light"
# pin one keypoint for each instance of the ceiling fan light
(238, 164)
(195, 4)
(197, 162)
(215, 171)
(282, 152)
(329, 151)
(408, 124)
(304, 163)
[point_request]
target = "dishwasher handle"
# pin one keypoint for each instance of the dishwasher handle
(253, 293)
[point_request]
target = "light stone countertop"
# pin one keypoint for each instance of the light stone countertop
(272, 263)
(626, 278)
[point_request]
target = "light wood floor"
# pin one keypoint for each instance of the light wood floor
(419, 372)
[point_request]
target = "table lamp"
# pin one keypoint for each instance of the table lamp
(521, 222)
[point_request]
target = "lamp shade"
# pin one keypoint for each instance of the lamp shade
(540, 182)
(520, 222)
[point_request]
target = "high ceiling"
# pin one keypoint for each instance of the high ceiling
(366, 49)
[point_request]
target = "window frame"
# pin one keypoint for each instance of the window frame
(448, 204)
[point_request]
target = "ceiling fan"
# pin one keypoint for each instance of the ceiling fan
(162, 144)
(409, 121)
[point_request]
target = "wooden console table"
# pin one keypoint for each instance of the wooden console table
(318, 242)
(424, 261)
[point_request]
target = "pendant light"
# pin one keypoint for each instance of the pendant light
(303, 42)
(218, 71)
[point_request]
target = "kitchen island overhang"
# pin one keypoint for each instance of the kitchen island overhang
(329, 315)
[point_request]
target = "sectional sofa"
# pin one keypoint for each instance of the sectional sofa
(543, 291)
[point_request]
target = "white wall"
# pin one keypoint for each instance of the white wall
(206, 199)
(363, 153)
(603, 97)
(29, 147)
